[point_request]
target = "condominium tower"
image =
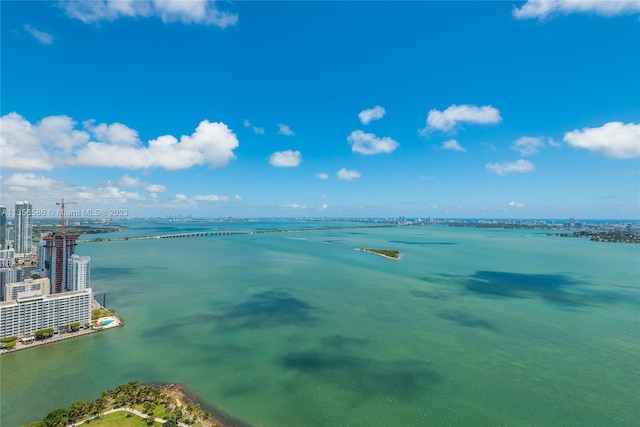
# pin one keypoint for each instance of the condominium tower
(3, 227)
(23, 227)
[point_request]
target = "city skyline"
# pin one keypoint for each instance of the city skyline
(298, 109)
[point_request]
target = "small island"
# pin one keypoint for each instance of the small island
(135, 404)
(387, 253)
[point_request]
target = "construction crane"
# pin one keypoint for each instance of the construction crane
(62, 205)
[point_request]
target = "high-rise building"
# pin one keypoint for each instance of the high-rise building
(23, 226)
(58, 249)
(7, 258)
(28, 287)
(9, 275)
(78, 272)
(30, 313)
(3, 227)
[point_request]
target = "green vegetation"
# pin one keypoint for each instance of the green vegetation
(44, 333)
(389, 253)
(155, 401)
(10, 345)
(101, 312)
(74, 326)
(8, 339)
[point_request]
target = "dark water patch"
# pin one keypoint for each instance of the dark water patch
(466, 319)
(267, 309)
(367, 378)
(101, 273)
(408, 242)
(558, 289)
(429, 295)
(341, 342)
(549, 287)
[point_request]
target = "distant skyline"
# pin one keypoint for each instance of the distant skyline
(506, 109)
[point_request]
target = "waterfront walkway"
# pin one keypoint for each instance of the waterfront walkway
(131, 411)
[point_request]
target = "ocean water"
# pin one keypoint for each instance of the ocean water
(470, 327)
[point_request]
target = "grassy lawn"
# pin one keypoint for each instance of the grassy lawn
(118, 419)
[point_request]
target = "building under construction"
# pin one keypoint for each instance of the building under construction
(58, 247)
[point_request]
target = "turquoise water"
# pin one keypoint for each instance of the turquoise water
(107, 322)
(469, 327)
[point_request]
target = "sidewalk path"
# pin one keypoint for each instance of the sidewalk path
(130, 410)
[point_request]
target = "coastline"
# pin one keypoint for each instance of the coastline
(184, 396)
(369, 251)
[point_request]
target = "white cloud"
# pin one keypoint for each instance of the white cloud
(180, 196)
(23, 145)
(284, 130)
(368, 143)
(192, 11)
(348, 175)
(129, 181)
(452, 144)
(237, 197)
(285, 159)
(371, 114)
(210, 198)
(256, 129)
(528, 145)
(54, 142)
(115, 133)
(542, 8)
(450, 118)
(520, 165)
(325, 206)
(614, 139)
(322, 175)
(516, 204)
(155, 188)
(553, 143)
(20, 182)
(41, 36)
(295, 206)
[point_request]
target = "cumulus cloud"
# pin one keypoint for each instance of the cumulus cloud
(295, 206)
(129, 181)
(371, 114)
(116, 133)
(322, 175)
(284, 130)
(20, 182)
(155, 188)
(54, 142)
(256, 129)
(454, 115)
(542, 8)
(202, 12)
(516, 204)
(452, 144)
(286, 159)
(528, 145)
(348, 175)
(181, 196)
(503, 168)
(237, 197)
(210, 198)
(614, 139)
(41, 36)
(368, 143)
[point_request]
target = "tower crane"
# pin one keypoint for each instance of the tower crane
(62, 205)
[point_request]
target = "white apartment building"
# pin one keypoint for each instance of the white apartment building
(78, 272)
(7, 258)
(28, 314)
(13, 291)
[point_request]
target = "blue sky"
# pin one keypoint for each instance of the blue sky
(368, 109)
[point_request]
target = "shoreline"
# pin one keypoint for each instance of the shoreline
(185, 396)
(369, 251)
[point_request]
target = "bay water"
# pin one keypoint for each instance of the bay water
(469, 327)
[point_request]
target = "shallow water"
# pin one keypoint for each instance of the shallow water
(469, 327)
